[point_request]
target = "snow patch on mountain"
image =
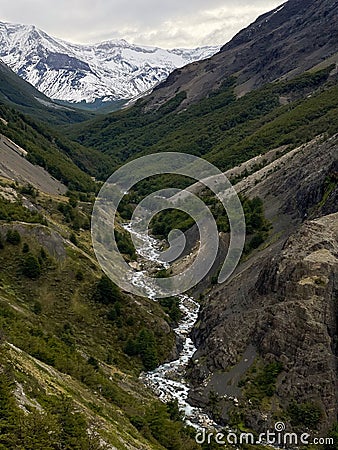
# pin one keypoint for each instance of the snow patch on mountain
(110, 70)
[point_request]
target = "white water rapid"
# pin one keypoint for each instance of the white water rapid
(168, 380)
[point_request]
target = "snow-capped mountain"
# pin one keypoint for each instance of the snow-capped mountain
(111, 70)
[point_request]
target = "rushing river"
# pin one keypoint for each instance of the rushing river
(168, 380)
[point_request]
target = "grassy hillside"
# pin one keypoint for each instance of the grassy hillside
(34, 123)
(67, 161)
(65, 337)
(222, 128)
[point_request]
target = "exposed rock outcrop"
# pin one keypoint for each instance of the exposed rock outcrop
(282, 301)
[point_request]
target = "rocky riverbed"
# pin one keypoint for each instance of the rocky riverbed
(168, 380)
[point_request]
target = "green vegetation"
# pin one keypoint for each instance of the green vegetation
(257, 226)
(221, 128)
(13, 237)
(106, 291)
(59, 426)
(260, 381)
(29, 190)
(305, 414)
(78, 323)
(31, 267)
(68, 331)
(125, 244)
(172, 308)
(168, 220)
(144, 346)
(73, 215)
(65, 160)
(98, 105)
(73, 239)
(334, 435)
(72, 326)
(258, 388)
(25, 248)
(11, 211)
(165, 426)
(62, 425)
(329, 186)
(17, 93)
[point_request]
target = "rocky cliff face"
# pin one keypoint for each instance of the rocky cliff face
(280, 307)
(282, 43)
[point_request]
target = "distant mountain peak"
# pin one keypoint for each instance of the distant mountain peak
(108, 70)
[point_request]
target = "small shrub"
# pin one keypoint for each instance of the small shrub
(73, 239)
(29, 190)
(125, 244)
(37, 308)
(256, 241)
(73, 202)
(79, 275)
(31, 266)
(305, 414)
(106, 291)
(130, 321)
(94, 363)
(13, 237)
(172, 308)
(25, 248)
(115, 312)
(144, 346)
(43, 254)
(138, 422)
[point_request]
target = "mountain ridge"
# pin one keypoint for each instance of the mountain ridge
(110, 70)
(18, 93)
(282, 43)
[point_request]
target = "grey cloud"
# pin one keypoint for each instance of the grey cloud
(149, 22)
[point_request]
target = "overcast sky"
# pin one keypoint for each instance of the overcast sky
(168, 24)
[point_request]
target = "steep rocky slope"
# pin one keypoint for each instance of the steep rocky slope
(66, 380)
(280, 44)
(280, 307)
